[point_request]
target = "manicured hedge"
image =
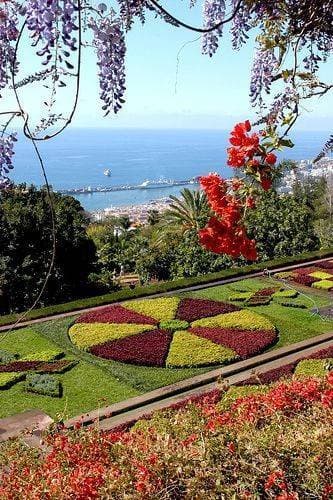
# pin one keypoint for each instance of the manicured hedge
(291, 304)
(258, 300)
(240, 297)
(46, 356)
(19, 366)
(174, 324)
(161, 309)
(9, 379)
(164, 287)
(43, 384)
(265, 292)
(60, 366)
(305, 279)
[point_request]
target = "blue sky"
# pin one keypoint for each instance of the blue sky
(209, 93)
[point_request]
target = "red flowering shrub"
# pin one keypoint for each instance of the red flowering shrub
(192, 309)
(149, 348)
(225, 231)
(116, 314)
(327, 265)
(196, 451)
(285, 370)
(306, 270)
(246, 343)
(56, 366)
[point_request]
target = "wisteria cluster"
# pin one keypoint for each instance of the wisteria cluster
(265, 65)
(51, 24)
(8, 35)
(213, 13)
(6, 158)
(109, 41)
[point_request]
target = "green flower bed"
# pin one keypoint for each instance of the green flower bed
(288, 294)
(313, 367)
(43, 384)
(9, 379)
(321, 275)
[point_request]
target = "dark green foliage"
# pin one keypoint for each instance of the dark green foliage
(257, 300)
(26, 248)
(144, 291)
(7, 356)
(292, 304)
(281, 226)
(44, 384)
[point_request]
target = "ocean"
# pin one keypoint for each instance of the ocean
(79, 157)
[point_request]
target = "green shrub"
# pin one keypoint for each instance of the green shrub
(7, 356)
(9, 379)
(284, 274)
(49, 355)
(286, 303)
(288, 294)
(313, 367)
(174, 324)
(43, 384)
(240, 297)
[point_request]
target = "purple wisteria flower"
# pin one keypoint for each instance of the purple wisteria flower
(8, 34)
(213, 12)
(264, 66)
(6, 155)
(110, 45)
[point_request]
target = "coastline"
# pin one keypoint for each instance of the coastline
(138, 213)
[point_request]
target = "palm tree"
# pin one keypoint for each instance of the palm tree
(185, 214)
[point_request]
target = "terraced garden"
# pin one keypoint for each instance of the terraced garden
(73, 365)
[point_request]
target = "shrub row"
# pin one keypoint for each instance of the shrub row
(164, 287)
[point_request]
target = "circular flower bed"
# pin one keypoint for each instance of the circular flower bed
(173, 332)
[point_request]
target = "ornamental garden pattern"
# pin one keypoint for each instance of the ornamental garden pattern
(173, 332)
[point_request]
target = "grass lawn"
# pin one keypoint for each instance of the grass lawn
(94, 382)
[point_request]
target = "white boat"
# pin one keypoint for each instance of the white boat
(144, 184)
(107, 172)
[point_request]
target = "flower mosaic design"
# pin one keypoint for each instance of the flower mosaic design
(173, 332)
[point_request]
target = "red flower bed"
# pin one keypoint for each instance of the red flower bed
(265, 292)
(20, 366)
(116, 314)
(245, 343)
(193, 309)
(148, 348)
(327, 265)
(285, 370)
(304, 279)
(56, 366)
(306, 270)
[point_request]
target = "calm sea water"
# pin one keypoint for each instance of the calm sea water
(78, 158)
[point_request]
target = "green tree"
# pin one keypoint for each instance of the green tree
(282, 225)
(187, 213)
(26, 248)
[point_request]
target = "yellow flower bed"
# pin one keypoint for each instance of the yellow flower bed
(85, 335)
(323, 284)
(321, 275)
(189, 350)
(161, 309)
(46, 356)
(247, 320)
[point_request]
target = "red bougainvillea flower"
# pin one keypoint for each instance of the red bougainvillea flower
(245, 145)
(270, 158)
(265, 181)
